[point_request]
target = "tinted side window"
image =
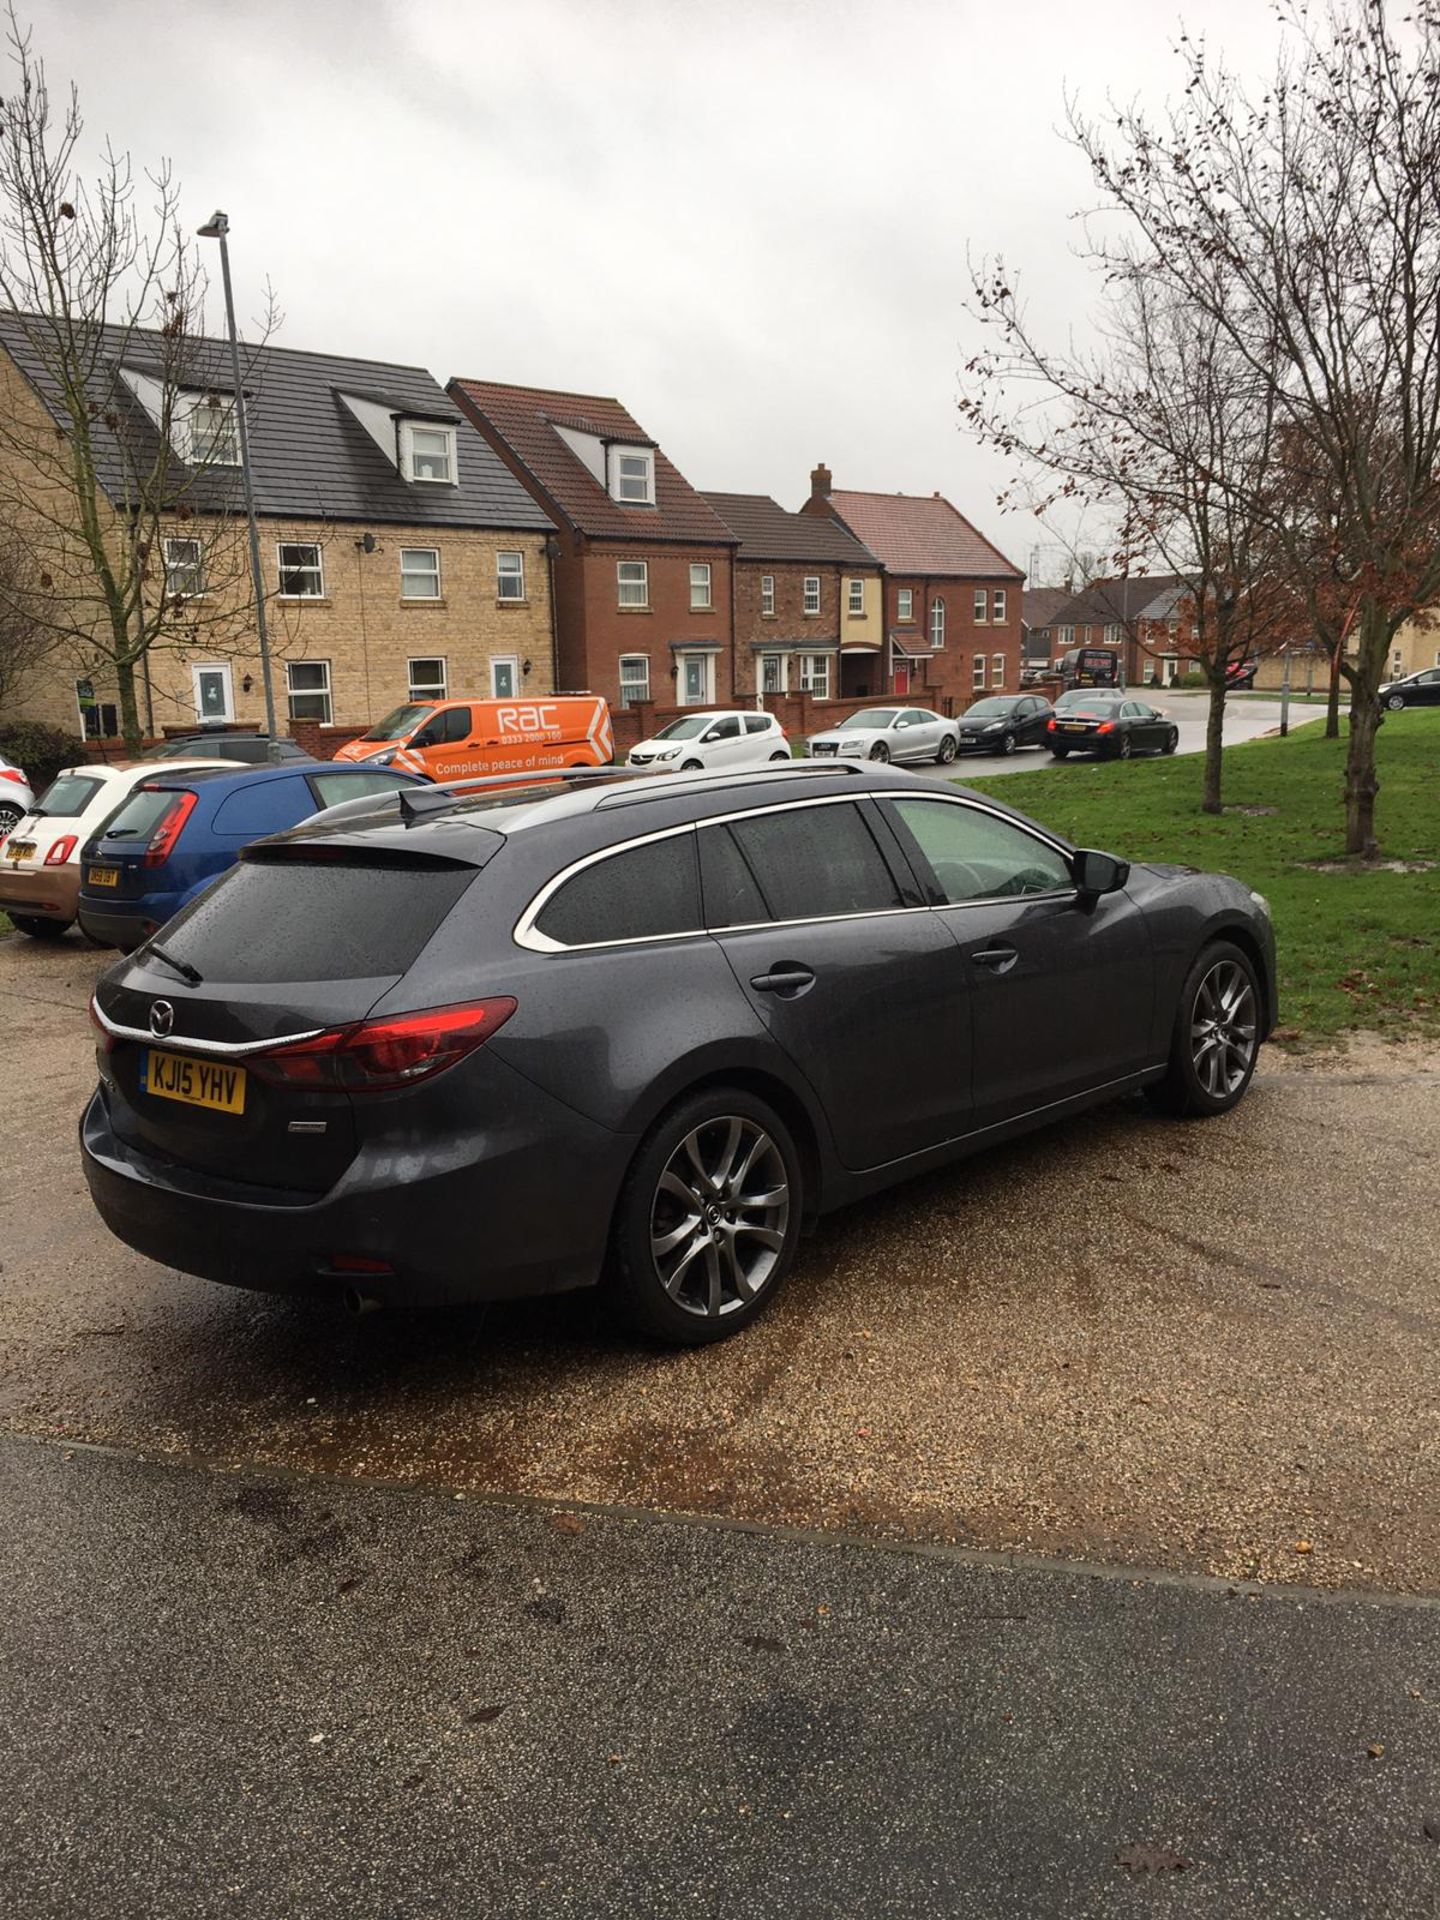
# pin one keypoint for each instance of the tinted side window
(335, 787)
(757, 723)
(727, 729)
(732, 893)
(975, 855)
(454, 725)
(267, 807)
(814, 861)
(634, 895)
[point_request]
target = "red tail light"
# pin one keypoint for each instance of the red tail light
(1049, 726)
(168, 829)
(378, 1054)
(12, 773)
(61, 851)
(106, 1040)
(1106, 726)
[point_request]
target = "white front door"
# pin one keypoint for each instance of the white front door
(694, 680)
(505, 677)
(214, 694)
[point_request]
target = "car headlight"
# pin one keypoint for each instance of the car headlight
(994, 726)
(670, 753)
(380, 759)
(1261, 902)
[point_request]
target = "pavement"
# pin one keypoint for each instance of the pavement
(295, 1698)
(1245, 719)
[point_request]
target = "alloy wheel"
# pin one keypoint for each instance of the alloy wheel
(10, 818)
(947, 750)
(1007, 743)
(719, 1216)
(1126, 747)
(879, 751)
(1395, 702)
(1222, 1029)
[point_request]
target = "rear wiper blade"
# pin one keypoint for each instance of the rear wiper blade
(182, 967)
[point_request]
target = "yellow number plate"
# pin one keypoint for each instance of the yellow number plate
(199, 1083)
(102, 876)
(20, 850)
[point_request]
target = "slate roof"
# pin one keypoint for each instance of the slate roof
(310, 458)
(1120, 601)
(767, 531)
(1039, 605)
(524, 419)
(924, 534)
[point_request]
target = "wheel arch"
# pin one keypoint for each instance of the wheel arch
(1243, 937)
(791, 1108)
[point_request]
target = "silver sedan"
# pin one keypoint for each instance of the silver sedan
(888, 733)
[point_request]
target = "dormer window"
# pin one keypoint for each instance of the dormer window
(428, 453)
(632, 476)
(214, 432)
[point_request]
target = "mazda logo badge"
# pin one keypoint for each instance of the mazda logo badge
(162, 1018)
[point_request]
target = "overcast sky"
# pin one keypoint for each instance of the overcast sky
(747, 221)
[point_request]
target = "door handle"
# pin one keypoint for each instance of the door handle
(997, 959)
(788, 978)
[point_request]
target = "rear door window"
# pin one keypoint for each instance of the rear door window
(757, 723)
(812, 863)
(732, 893)
(268, 806)
(640, 893)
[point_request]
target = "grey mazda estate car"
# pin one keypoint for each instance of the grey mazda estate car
(442, 1047)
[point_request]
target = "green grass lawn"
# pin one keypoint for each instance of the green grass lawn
(1357, 948)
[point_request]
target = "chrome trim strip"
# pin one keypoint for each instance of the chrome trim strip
(231, 1049)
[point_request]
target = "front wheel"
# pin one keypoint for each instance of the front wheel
(1007, 743)
(947, 750)
(708, 1219)
(1394, 703)
(880, 751)
(37, 926)
(692, 766)
(1215, 1041)
(780, 756)
(1172, 740)
(10, 818)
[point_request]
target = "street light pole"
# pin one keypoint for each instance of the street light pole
(216, 228)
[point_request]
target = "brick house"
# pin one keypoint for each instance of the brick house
(807, 602)
(1038, 607)
(951, 599)
(399, 556)
(643, 606)
(1148, 616)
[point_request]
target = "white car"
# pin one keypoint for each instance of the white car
(720, 739)
(16, 799)
(889, 733)
(40, 857)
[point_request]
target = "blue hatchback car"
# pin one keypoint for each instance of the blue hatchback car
(180, 831)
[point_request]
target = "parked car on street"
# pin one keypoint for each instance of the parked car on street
(1420, 689)
(1090, 667)
(177, 831)
(1240, 674)
(1004, 722)
(726, 738)
(250, 749)
(40, 860)
(449, 739)
(16, 797)
(451, 1047)
(888, 733)
(1113, 726)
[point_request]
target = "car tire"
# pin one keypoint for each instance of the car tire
(1060, 753)
(37, 926)
(10, 818)
(1394, 703)
(677, 1269)
(948, 750)
(880, 752)
(781, 756)
(1124, 747)
(1008, 743)
(1172, 740)
(1204, 1076)
(692, 766)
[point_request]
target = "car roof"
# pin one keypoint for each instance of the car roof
(228, 776)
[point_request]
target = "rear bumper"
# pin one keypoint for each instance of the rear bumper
(125, 923)
(519, 1205)
(49, 893)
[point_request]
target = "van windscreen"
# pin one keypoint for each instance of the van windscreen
(398, 723)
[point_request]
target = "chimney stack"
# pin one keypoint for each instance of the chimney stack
(821, 481)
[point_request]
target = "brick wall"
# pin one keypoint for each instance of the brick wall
(595, 630)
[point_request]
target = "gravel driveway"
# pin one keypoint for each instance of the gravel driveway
(1127, 1340)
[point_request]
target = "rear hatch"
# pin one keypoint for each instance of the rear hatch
(294, 941)
(122, 861)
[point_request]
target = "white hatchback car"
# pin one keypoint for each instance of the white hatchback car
(40, 857)
(735, 738)
(16, 799)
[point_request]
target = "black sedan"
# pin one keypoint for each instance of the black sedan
(1415, 690)
(1002, 723)
(1113, 726)
(468, 1045)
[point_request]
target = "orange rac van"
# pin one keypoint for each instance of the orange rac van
(450, 739)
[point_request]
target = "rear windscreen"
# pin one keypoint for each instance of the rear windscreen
(67, 797)
(262, 924)
(141, 813)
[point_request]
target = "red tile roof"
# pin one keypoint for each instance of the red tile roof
(524, 419)
(915, 533)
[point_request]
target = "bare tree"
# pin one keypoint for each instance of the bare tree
(117, 418)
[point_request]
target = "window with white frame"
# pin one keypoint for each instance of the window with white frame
(812, 593)
(1172, 627)
(214, 432)
(1066, 636)
(1112, 634)
(937, 624)
(307, 682)
(428, 680)
(767, 593)
(815, 675)
(855, 596)
(977, 671)
(302, 577)
(428, 453)
(700, 586)
(633, 578)
(905, 603)
(634, 678)
(997, 605)
(184, 569)
(509, 576)
(997, 670)
(419, 573)
(982, 603)
(632, 476)
(773, 675)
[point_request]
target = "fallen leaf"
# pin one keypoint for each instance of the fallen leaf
(1143, 1859)
(1303, 1546)
(1375, 1750)
(482, 1716)
(568, 1523)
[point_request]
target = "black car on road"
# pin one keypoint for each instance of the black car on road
(1112, 725)
(454, 1047)
(1004, 722)
(1415, 690)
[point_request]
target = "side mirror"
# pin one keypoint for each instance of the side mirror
(1097, 873)
(713, 734)
(425, 738)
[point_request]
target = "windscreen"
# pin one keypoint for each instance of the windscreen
(264, 923)
(684, 729)
(871, 717)
(988, 710)
(398, 723)
(66, 797)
